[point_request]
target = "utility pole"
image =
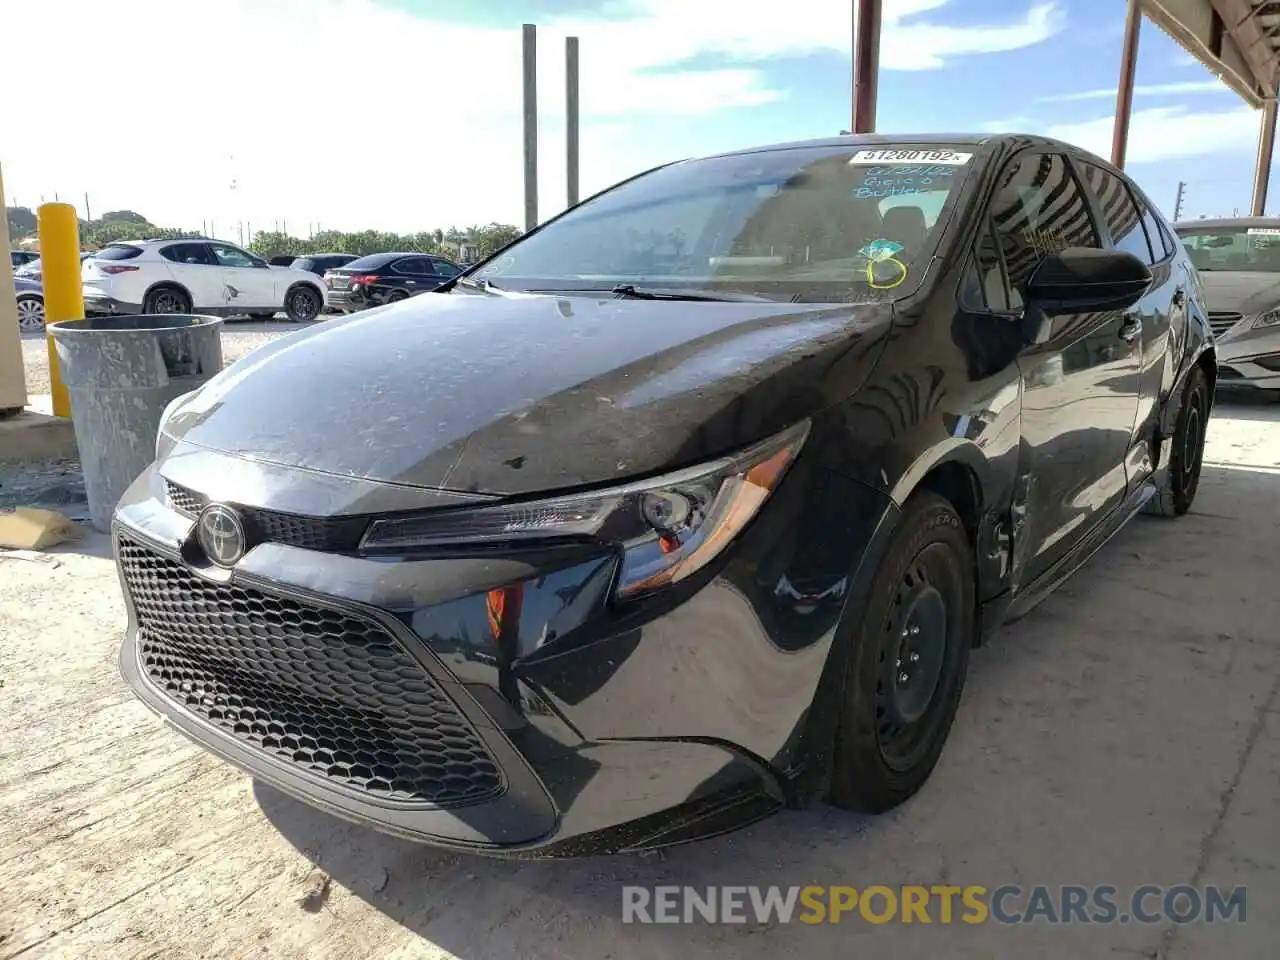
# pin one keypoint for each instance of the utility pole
(88, 215)
(1177, 203)
(571, 119)
(529, 35)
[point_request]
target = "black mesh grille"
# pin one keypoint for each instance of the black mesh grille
(269, 526)
(333, 693)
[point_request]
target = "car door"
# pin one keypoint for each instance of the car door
(192, 264)
(414, 275)
(1079, 384)
(1133, 226)
(248, 282)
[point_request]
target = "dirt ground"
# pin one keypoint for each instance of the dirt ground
(1125, 733)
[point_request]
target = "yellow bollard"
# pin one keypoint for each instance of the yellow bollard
(59, 229)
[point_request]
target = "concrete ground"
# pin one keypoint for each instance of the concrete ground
(1125, 733)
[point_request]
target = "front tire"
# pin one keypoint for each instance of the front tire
(907, 667)
(302, 304)
(30, 313)
(166, 300)
(1177, 491)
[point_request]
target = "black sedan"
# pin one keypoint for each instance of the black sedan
(687, 507)
(385, 278)
(319, 263)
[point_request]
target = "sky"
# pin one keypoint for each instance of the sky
(405, 115)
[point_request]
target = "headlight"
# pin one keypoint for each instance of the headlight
(666, 528)
(1269, 319)
(163, 443)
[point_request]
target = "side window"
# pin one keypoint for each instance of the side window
(443, 269)
(189, 253)
(986, 287)
(1038, 209)
(231, 257)
(412, 267)
(1124, 218)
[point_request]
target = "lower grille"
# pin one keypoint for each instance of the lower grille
(333, 693)
(1222, 321)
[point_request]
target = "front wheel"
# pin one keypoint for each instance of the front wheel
(908, 662)
(30, 313)
(302, 305)
(1177, 490)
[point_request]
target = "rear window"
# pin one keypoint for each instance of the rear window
(304, 263)
(374, 261)
(118, 251)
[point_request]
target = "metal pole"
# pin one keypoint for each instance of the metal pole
(1124, 92)
(59, 230)
(530, 41)
(1266, 147)
(88, 215)
(866, 65)
(571, 119)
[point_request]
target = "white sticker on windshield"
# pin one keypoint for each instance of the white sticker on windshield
(1264, 231)
(949, 157)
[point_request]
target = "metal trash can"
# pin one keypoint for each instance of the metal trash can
(121, 372)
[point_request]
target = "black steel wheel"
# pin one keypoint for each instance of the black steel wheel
(166, 300)
(1177, 490)
(303, 304)
(908, 663)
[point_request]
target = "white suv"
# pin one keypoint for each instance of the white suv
(195, 275)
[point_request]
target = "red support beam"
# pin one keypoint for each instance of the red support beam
(1124, 92)
(1266, 147)
(866, 64)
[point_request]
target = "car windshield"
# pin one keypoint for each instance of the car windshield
(1235, 248)
(813, 224)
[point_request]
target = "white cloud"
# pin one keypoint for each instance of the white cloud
(1143, 90)
(355, 114)
(1165, 133)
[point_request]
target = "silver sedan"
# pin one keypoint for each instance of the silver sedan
(30, 304)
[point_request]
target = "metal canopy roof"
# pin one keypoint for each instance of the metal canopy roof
(1238, 40)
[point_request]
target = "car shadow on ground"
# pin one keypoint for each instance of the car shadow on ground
(999, 784)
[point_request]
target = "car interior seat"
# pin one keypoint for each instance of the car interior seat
(905, 225)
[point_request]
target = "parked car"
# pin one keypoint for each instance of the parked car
(697, 495)
(19, 257)
(1238, 259)
(318, 263)
(207, 276)
(282, 260)
(30, 303)
(34, 269)
(385, 278)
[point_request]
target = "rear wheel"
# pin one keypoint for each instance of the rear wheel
(1178, 489)
(30, 312)
(166, 300)
(302, 304)
(908, 662)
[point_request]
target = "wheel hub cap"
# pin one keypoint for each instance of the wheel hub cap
(921, 647)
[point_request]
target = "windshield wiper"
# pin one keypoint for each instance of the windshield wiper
(629, 291)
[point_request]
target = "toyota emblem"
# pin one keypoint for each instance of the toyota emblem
(221, 534)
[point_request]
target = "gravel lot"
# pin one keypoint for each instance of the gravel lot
(238, 338)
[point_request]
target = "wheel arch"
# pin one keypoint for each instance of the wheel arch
(168, 284)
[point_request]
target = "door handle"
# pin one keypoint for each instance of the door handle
(1179, 297)
(1131, 327)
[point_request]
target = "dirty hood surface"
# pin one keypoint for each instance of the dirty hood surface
(513, 394)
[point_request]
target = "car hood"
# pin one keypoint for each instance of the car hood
(1240, 291)
(515, 394)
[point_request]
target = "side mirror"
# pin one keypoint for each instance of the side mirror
(1085, 280)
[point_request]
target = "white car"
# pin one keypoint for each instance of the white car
(195, 275)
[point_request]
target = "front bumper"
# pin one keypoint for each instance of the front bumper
(1249, 357)
(583, 732)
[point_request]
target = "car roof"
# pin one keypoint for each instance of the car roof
(1211, 223)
